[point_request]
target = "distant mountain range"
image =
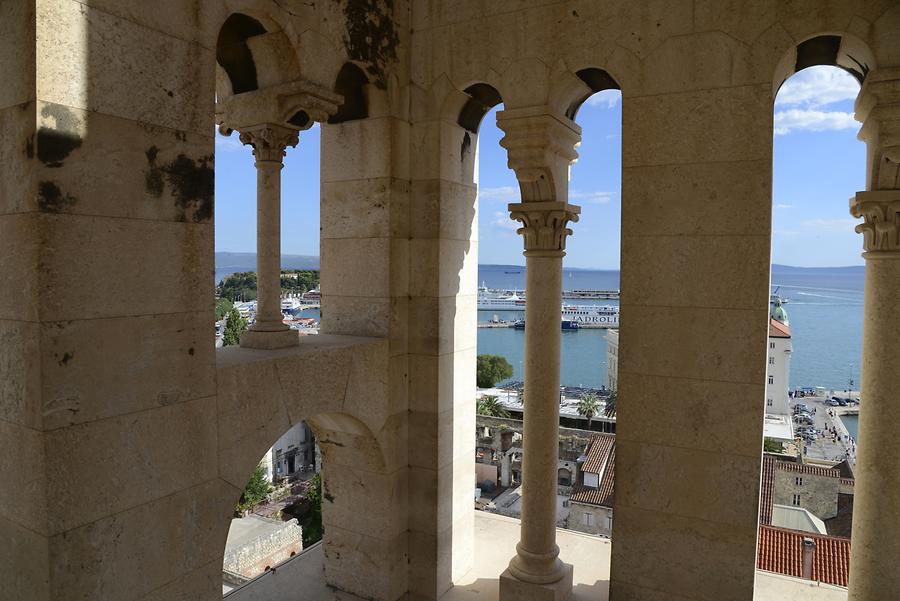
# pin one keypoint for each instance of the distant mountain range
(229, 262)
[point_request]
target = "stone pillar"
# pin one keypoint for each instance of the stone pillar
(875, 552)
(541, 146)
(269, 144)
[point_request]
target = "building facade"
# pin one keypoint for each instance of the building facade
(778, 370)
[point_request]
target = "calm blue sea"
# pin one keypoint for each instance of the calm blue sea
(824, 307)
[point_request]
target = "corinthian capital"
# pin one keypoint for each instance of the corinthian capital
(269, 141)
(540, 146)
(878, 108)
(880, 210)
(544, 224)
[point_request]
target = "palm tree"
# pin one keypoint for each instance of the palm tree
(610, 410)
(588, 407)
(490, 406)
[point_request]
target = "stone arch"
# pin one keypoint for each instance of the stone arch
(596, 80)
(233, 54)
(351, 83)
(481, 97)
(838, 49)
(564, 476)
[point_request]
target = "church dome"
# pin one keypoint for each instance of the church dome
(779, 313)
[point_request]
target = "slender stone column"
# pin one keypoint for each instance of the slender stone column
(541, 146)
(269, 144)
(875, 550)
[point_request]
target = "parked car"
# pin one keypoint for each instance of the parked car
(801, 407)
(833, 402)
(842, 402)
(803, 419)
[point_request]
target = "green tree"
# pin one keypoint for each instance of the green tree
(490, 406)
(588, 406)
(223, 306)
(312, 518)
(771, 445)
(255, 491)
(491, 369)
(233, 328)
(610, 409)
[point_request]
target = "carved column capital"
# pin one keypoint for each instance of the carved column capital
(540, 146)
(269, 141)
(544, 225)
(880, 210)
(878, 108)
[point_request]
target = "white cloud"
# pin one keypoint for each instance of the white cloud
(228, 143)
(605, 98)
(830, 225)
(502, 194)
(816, 87)
(590, 197)
(502, 221)
(812, 120)
(783, 206)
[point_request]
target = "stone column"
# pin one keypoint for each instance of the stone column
(541, 146)
(269, 144)
(875, 550)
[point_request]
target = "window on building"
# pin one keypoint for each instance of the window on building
(798, 481)
(769, 402)
(771, 345)
(771, 379)
(609, 523)
(771, 360)
(588, 519)
(796, 501)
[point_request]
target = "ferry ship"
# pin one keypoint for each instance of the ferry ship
(596, 315)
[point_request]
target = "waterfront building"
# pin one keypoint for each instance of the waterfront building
(127, 436)
(778, 370)
(612, 359)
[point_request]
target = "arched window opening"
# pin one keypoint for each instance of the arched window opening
(233, 54)
(813, 348)
(279, 513)
(351, 84)
(588, 319)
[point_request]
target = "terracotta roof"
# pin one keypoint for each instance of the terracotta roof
(767, 484)
(601, 459)
(781, 551)
(805, 468)
(778, 329)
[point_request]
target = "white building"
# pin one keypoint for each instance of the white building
(293, 452)
(779, 368)
(612, 359)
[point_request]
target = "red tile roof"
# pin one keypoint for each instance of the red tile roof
(781, 551)
(778, 329)
(805, 468)
(601, 459)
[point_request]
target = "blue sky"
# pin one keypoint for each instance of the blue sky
(818, 166)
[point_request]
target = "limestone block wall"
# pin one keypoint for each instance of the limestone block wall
(600, 519)
(818, 494)
(270, 549)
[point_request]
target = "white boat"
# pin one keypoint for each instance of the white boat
(290, 304)
(605, 316)
(596, 315)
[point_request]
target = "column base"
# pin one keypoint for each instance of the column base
(513, 589)
(270, 340)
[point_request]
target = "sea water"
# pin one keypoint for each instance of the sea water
(825, 310)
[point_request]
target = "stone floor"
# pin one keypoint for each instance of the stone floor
(495, 538)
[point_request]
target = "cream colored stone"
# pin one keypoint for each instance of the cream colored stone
(435, 382)
(691, 559)
(377, 208)
(364, 150)
(17, 30)
(373, 568)
(442, 325)
(724, 269)
(109, 559)
(665, 341)
(20, 373)
(158, 78)
(90, 482)
(684, 410)
(18, 266)
(513, 588)
(683, 127)
(442, 209)
(166, 359)
(17, 188)
(159, 267)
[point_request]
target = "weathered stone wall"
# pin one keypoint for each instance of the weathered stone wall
(818, 494)
(270, 549)
(601, 519)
